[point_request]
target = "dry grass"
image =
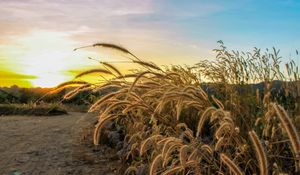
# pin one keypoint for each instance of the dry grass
(260, 153)
(177, 124)
(231, 165)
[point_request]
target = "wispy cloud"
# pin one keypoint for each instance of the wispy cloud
(163, 31)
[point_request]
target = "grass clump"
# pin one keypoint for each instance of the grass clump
(231, 115)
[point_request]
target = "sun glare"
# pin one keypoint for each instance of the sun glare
(48, 67)
(49, 80)
(46, 55)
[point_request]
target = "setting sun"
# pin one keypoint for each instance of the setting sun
(46, 55)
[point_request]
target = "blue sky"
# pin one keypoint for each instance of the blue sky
(244, 24)
(162, 31)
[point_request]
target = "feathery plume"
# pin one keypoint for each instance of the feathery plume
(155, 164)
(151, 65)
(203, 118)
(110, 46)
(71, 83)
(93, 71)
(230, 164)
(291, 131)
(173, 170)
(260, 153)
(112, 68)
(100, 124)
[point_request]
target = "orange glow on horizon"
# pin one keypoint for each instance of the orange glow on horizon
(43, 58)
(46, 58)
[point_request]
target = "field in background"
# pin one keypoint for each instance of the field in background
(42, 101)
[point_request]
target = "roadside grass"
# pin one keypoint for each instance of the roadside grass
(32, 109)
(236, 114)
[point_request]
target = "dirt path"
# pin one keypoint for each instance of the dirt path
(32, 145)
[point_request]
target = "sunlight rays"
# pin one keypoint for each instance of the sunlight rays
(46, 55)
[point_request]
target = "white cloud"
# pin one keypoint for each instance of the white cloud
(143, 25)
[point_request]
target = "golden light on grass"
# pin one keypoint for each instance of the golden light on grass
(223, 134)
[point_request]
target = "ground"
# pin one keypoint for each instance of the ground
(52, 145)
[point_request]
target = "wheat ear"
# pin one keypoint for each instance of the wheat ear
(101, 100)
(112, 68)
(136, 79)
(291, 131)
(260, 153)
(173, 170)
(151, 65)
(231, 165)
(220, 143)
(183, 154)
(155, 164)
(219, 104)
(203, 117)
(145, 144)
(130, 170)
(97, 131)
(71, 83)
(93, 71)
(110, 46)
(74, 92)
(167, 156)
(207, 148)
(225, 128)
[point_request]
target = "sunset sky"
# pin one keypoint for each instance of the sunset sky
(37, 37)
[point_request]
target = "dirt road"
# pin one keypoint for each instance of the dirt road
(32, 145)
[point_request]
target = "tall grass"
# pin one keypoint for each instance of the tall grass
(210, 118)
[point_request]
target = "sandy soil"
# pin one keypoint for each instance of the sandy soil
(53, 145)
